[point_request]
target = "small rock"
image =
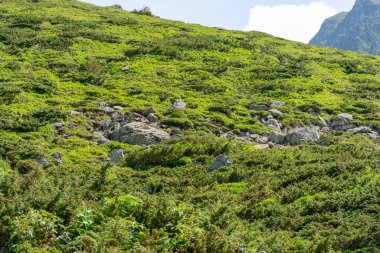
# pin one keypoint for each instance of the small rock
(42, 161)
(373, 135)
(359, 130)
(102, 103)
(72, 125)
(75, 113)
(116, 115)
(116, 6)
(273, 123)
(117, 107)
(220, 161)
(256, 107)
(179, 104)
(302, 135)
(100, 138)
(263, 140)
(105, 123)
(275, 112)
(139, 133)
(277, 138)
(125, 68)
(261, 146)
(58, 125)
(312, 111)
(152, 118)
(277, 103)
(117, 155)
(57, 155)
(342, 122)
(271, 145)
(108, 110)
(324, 142)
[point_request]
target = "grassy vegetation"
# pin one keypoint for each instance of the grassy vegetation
(57, 56)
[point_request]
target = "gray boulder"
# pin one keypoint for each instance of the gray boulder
(359, 130)
(116, 6)
(42, 161)
(275, 112)
(273, 123)
(257, 107)
(261, 146)
(152, 118)
(102, 103)
(117, 107)
(117, 155)
(139, 133)
(108, 110)
(220, 161)
(125, 68)
(342, 122)
(277, 103)
(179, 104)
(277, 138)
(302, 135)
(100, 139)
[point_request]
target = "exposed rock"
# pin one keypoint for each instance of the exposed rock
(102, 103)
(220, 161)
(100, 139)
(359, 130)
(302, 135)
(275, 112)
(323, 122)
(373, 135)
(105, 123)
(74, 113)
(139, 133)
(116, 6)
(58, 125)
(117, 107)
(42, 161)
(256, 107)
(57, 155)
(342, 122)
(271, 145)
(135, 117)
(179, 104)
(108, 110)
(72, 125)
(277, 103)
(152, 118)
(125, 68)
(263, 140)
(277, 138)
(312, 111)
(324, 142)
(273, 123)
(261, 146)
(117, 155)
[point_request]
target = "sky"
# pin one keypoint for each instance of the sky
(297, 20)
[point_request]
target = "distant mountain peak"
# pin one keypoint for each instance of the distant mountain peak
(357, 30)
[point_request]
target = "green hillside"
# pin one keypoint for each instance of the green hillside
(122, 132)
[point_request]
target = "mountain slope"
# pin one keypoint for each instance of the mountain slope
(358, 30)
(114, 128)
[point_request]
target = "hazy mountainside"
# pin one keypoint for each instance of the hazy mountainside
(128, 133)
(357, 30)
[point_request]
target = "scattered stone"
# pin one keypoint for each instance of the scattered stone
(323, 122)
(220, 161)
(117, 155)
(117, 107)
(100, 138)
(275, 112)
(108, 110)
(277, 138)
(179, 104)
(105, 123)
(152, 118)
(261, 146)
(74, 113)
(302, 135)
(277, 103)
(271, 145)
(342, 122)
(373, 135)
(72, 125)
(116, 115)
(116, 6)
(42, 161)
(263, 140)
(125, 68)
(257, 107)
(57, 155)
(312, 111)
(139, 133)
(102, 103)
(270, 116)
(273, 123)
(359, 130)
(58, 125)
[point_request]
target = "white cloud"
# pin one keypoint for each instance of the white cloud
(289, 21)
